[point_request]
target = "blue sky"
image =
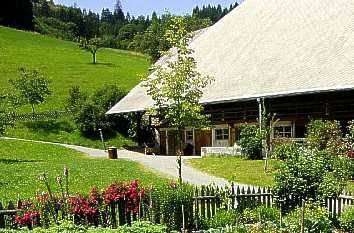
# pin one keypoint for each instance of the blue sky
(145, 7)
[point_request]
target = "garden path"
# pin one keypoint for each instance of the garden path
(163, 164)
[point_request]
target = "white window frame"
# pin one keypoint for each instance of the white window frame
(186, 136)
(283, 132)
(224, 132)
(220, 142)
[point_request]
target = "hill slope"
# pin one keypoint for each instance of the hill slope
(65, 64)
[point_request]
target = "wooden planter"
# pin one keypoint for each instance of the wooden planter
(112, 152)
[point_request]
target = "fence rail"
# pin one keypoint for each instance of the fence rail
(40, 116)
(206, 202)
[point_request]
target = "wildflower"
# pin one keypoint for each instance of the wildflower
(58, 180)
(66, 171)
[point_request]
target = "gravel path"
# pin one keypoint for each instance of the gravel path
(163, 164)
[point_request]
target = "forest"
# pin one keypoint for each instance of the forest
(117, 29)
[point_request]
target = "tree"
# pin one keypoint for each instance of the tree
(76, 99)
(177, 87)
(17, 13)
(91, 112)
(118, 15)
(92, 46)
(33, 87)
(2, 113)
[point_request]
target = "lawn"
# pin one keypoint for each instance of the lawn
(65, 64)
(237, 169)
(22, 162)
(242, 170)
(64, 131)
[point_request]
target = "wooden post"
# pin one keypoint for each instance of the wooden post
(166, 142)
(196, 207)
(183, 220)
(194, 142)
(281, 213)
(2, 217)
(302, 219)
(138, 127)
(208, 203)
(113, 216)
(202, 202)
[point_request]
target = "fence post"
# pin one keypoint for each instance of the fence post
(302, 227)
(202, 202)
(196, 209)
(113, 215)
(183, 220)
(281, 212)
(208, 202)
(213, 211)
(233, 198)
(2, 217)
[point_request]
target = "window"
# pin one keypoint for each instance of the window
(222, 134)
(189, 135)
(283, 131)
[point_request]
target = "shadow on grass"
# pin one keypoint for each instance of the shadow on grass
(109, 64)
(16, 161)
(47, 127)
(107, 135)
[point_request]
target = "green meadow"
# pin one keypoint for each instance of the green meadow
(65, 64)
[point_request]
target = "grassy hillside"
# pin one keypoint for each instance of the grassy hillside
(65, 64)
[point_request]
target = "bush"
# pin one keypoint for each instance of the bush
(311, 174)
(284, 150)
(76, 99)
(92, 113)
(325, 135)
(223, 218)
(261, 214)
(251, 141)
(346, 220)
(169, 200)
(315, 220)
(66, 227)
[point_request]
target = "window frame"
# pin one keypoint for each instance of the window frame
(285, 132)
(223, 136)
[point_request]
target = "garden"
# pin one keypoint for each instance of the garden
(307, 196)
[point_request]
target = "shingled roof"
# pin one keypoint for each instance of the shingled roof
(271, 48)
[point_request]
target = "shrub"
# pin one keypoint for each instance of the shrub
(169, 200)
(284, 150)
(325, 135)
(223, 218)
(76, 99)
(261, 214)
(311, 174)
(315, 220)
(92, 114)
(67, 226)
(251, 141)
(346, 220)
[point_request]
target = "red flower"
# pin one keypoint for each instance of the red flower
(28, 219)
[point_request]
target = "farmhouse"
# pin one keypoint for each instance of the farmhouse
(296, 55)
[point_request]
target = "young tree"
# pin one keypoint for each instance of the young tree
(177, 87)
(33, 87)
(92, 45)
(2, 113)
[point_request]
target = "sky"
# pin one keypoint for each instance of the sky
(145, 7)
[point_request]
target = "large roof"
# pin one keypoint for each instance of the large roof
(271, 48)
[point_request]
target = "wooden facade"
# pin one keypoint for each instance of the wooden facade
(294, 113)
